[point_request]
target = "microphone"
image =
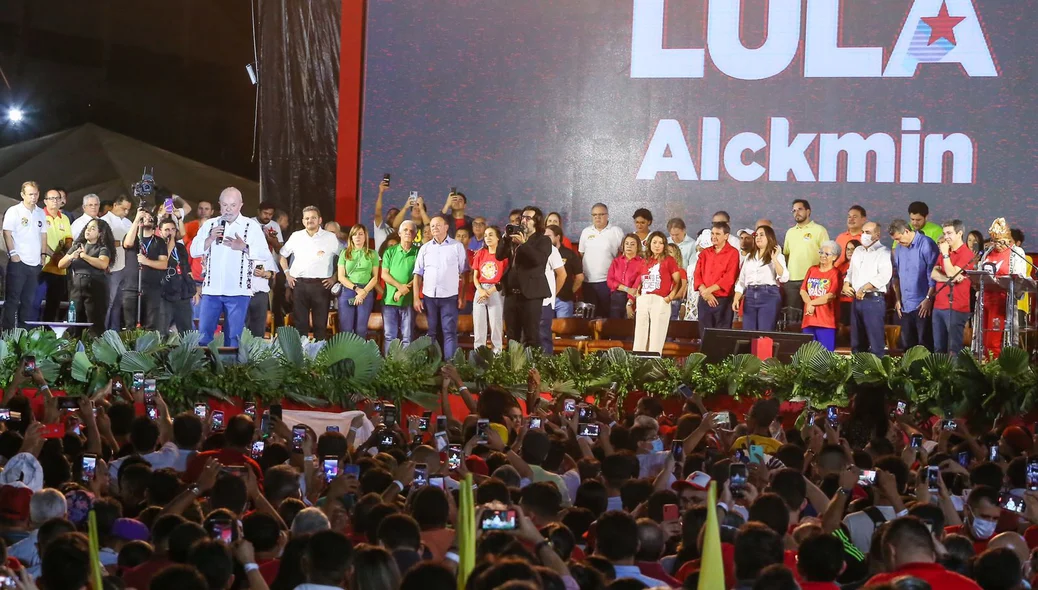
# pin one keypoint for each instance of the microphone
(988, 251)
(223, 224)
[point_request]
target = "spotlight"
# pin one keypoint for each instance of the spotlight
(15, 115)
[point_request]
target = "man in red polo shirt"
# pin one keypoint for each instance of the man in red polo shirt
(235, 453)
(908, 550)
(951, 307)
(980, 518)
(714, 278)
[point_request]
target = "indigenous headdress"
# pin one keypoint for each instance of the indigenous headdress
(999, 231)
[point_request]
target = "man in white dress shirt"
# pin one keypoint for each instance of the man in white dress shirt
(311, 273)
(867, 281)
(91, 211)
(599, 244)
(231, 243)
(118, 221)
(25, 235)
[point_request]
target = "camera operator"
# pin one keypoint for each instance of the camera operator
(149, 254)
(526, 286)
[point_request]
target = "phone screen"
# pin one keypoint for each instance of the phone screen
(993, 453)
(29, 366)
(250, 409)
(89, 467)
(138, 380)
(149, 389)
(1032, 475)
(964, 458)
(569, 406)
(586, 414)
(331, 468)
(298, 434)
(678, 450)
(498, 520)
(482, 426)
(867, 477)
(899, 410)
(440, 440)
(222, 531)
(257, 449)
(332, 429)
(917, 441)
(1011, 503)
(736, 478)
(832, 413)
(423, 422)
(535, 422)
(932, 473)
(441, 423)
(589, 430)
(217, 420)
(686, 391)
(421, 474)
(453, 457)
(200, 410)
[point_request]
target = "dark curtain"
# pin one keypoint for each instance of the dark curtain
(299, 102)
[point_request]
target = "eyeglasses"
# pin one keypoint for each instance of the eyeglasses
(527, 217)
(824, 253)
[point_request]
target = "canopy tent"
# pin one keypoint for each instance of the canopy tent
(90, 159)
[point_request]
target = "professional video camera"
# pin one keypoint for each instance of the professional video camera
(513, 229)
(146, 186)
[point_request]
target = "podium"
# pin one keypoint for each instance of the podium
(1013, 286)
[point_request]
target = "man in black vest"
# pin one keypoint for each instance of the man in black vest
(525, 283)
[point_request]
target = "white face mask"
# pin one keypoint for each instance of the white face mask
(866, 240)
(982, 528)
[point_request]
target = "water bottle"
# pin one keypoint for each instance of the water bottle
(71, 312)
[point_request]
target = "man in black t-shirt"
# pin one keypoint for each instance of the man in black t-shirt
(146, 257)
(564, 302)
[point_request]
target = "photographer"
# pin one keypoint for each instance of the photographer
(178, 286)
(89, 259)
(148, 252)
(525, 284)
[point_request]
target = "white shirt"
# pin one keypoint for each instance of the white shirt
(379, 232)
(120, 226)
(860, 525)
(28, 231)
(650, 464)
(870, 265)
(554, 261)
(267, 260)
(599, 248)
(755, 272)
(79, 225)
(314, 256)
(225, 271)
(166, 456)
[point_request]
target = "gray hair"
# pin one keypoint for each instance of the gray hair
(832, 246)
(46, 504)
(310, 520)
(91, 197)
(898, 226)
(414, 226)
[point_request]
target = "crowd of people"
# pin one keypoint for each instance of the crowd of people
(568, 495)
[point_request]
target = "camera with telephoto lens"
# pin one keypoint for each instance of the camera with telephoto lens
(145, 187)
(513, 229)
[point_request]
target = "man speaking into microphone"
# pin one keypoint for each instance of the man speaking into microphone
(230, 245)
(526, 286)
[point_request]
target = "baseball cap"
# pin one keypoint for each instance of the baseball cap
(130, 529)
(745, 230)
(14, 502)
(697, 480)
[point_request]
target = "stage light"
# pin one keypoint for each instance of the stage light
(15, 115)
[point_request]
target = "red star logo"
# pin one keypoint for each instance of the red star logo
(942, 25)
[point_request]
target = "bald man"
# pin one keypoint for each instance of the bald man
(1014, 542)
(231, 244)
(764, 222)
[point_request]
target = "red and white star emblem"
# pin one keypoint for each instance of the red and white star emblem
(943, 25)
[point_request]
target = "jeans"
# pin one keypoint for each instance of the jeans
(760, 307)
(617, 305)
(948, 327)
(825, 336)
(21, 287)
(675, 310)
(442, 315)
(398, 323)
(563, 309)
(916, 330)
(598, 294)
(715, 317)
(354, 318)
(256, 315)
(493, 309)
(547, 340)
(212, 306)
(651, 321)
(311, 299)
(114, 315)
(868, 331)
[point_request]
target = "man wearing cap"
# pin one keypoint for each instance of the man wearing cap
(692, 490)
(44, 505)
(14, 513)
(745, 243)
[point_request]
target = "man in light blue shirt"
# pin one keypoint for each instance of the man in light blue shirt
(678, 235)
(914, 259)
(438, 270)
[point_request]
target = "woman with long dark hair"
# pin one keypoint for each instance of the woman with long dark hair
(757, 289)
(488, 306)
(657, 287)
(88, 259)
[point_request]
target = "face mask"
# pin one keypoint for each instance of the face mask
(866, 240)
(982, 528)
(657, 445)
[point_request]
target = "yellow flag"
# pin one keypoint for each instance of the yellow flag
(711, 566)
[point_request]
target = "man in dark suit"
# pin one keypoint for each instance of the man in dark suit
(526, 285)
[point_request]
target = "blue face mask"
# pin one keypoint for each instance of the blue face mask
(657, 445)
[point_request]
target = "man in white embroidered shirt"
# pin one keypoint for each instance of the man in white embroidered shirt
(311, 274)
(226, 242)
(25, 235)
(867, 280)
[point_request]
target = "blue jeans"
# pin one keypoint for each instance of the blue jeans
(617, 306)
(948, 327)
(760, 307)
(212, 307)
(868, 324)
(825, 336)
(354, 318)
(398, 322)
(715, 317)
(915, 330)
(442, 315)
(563, 309)
(675, 310)
(598, 294)
(21, 287)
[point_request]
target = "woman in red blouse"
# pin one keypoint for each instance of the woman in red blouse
(658, 286)
(626, 268)
(487, 271)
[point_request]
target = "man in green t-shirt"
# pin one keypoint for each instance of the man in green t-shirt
(398, 273)
(918, 212)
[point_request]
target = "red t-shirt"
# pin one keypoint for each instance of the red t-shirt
(190, 231)
(268, 568)
(140, 576)
(490, 268)
(818, 283)
(978, 546)
(226, 457)
(962, 258)
(658, 278)
(933, 573)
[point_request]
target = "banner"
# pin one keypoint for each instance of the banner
(687, 107)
